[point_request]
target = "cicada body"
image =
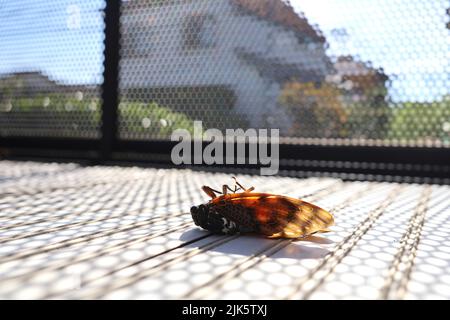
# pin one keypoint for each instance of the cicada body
(274, 216)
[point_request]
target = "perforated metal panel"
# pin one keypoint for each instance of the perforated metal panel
(324, 72)
(126, 233)
(51, 56)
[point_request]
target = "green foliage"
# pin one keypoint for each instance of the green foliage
(49, 103)
(427, 121)
(324, 111)
(151, 120)
(321, 110)
(213, 105)
(136, 119)
(367, 121)
(408, 121)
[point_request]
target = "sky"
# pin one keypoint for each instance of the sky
(407, 38)
(64, 38)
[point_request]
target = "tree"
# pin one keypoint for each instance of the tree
(316, 109)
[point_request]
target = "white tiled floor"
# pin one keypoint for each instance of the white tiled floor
(109, 232)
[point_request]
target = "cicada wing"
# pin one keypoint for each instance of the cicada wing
(275, 216)
(308, 219)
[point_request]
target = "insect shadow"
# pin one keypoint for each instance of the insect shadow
(249, 244)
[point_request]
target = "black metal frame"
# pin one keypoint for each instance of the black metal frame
(368, 160)
(110, 86)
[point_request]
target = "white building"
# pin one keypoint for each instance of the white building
(249, 46)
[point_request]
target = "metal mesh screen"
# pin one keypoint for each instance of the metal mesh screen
(51, 56)
(324, 72)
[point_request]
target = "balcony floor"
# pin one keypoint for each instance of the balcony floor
(68, 231)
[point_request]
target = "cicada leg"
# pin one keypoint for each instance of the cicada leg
(225, 189)
(237, 184)
(210, 191)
